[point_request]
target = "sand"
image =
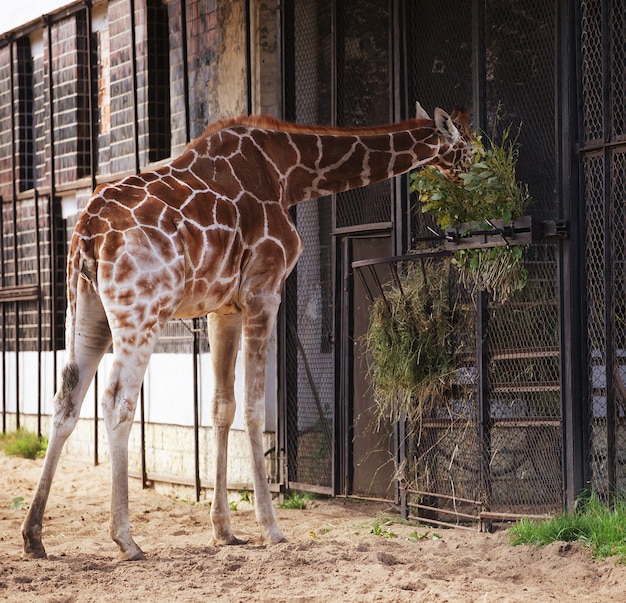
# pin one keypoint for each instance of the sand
(337, 550)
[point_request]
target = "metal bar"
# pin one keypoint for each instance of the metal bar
(52, 208)
(133, 60)
(608, 254)
(443, 511)
(19, 293)
(4, 322)
(96, 458)
(142, 436)
(93, 163)
(482, 366)
(16, 279)
(378, 284)
(178, 480)
(248, 54)
(417, 255)
(183, 43)
(368, 292)
(39, 313)
(437, 522)
(196, 406)
(512, 516)
(446, 496)
(599, 146)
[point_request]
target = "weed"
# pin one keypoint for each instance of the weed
(17, 504)
(23, 443)
(416, 536)
(382, 528)
(296, 500)
(244, 496)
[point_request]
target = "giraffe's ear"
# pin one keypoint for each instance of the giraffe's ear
(420, 112)
(445, 125)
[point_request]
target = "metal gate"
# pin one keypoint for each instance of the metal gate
(337, 71)
(602, 152)
(502, 454)
(496, 57)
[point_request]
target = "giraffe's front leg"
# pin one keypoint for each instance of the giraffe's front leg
(259, 317)
(224, 336)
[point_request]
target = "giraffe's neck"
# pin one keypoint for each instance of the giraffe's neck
(335, 162)
(291, 163)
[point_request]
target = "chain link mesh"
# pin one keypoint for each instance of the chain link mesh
(603, 166)
(504, 453)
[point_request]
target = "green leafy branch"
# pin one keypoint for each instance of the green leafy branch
(486, 189)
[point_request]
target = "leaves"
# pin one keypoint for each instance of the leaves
(487, 190)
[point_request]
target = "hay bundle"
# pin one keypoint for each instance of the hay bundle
(408, 342)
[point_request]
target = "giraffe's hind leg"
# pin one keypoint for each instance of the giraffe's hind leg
(89, 346)
(119, 403)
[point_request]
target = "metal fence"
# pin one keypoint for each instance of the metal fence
(603, 166)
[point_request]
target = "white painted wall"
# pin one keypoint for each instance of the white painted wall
(168, 387)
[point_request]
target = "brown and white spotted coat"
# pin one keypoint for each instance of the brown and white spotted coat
(209, 233)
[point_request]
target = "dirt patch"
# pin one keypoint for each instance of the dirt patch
(331, 554)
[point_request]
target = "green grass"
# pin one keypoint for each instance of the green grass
(594, 524)
(23, 443)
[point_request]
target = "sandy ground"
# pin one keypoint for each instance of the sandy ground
(330, 555)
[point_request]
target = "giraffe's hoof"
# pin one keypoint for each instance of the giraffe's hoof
(229, 540)
(272, 535)
(138, 555)
(34, 551)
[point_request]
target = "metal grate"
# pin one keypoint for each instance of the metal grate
(363, 97)
(603, 166)
(506, 456)
(308, 300)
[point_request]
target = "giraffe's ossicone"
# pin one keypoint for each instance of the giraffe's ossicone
(209, 233)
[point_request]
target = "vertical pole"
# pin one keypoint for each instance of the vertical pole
(93, 162)
(142, 435)
(482, 366)
(248, 51)
(609, 226)
(133, 54)
(402, 206)
(574, 387)
(196, 406)
(39, 313)
(16, 279)
(183, 33)
(482, 300)
(52, 207)
(4, 322)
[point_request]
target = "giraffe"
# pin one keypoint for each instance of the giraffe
(209, 233)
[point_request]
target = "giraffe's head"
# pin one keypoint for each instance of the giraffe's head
(455, 138)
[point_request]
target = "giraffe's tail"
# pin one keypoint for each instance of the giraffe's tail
(75, 262)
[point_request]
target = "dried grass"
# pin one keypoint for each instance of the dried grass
(408, 341)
